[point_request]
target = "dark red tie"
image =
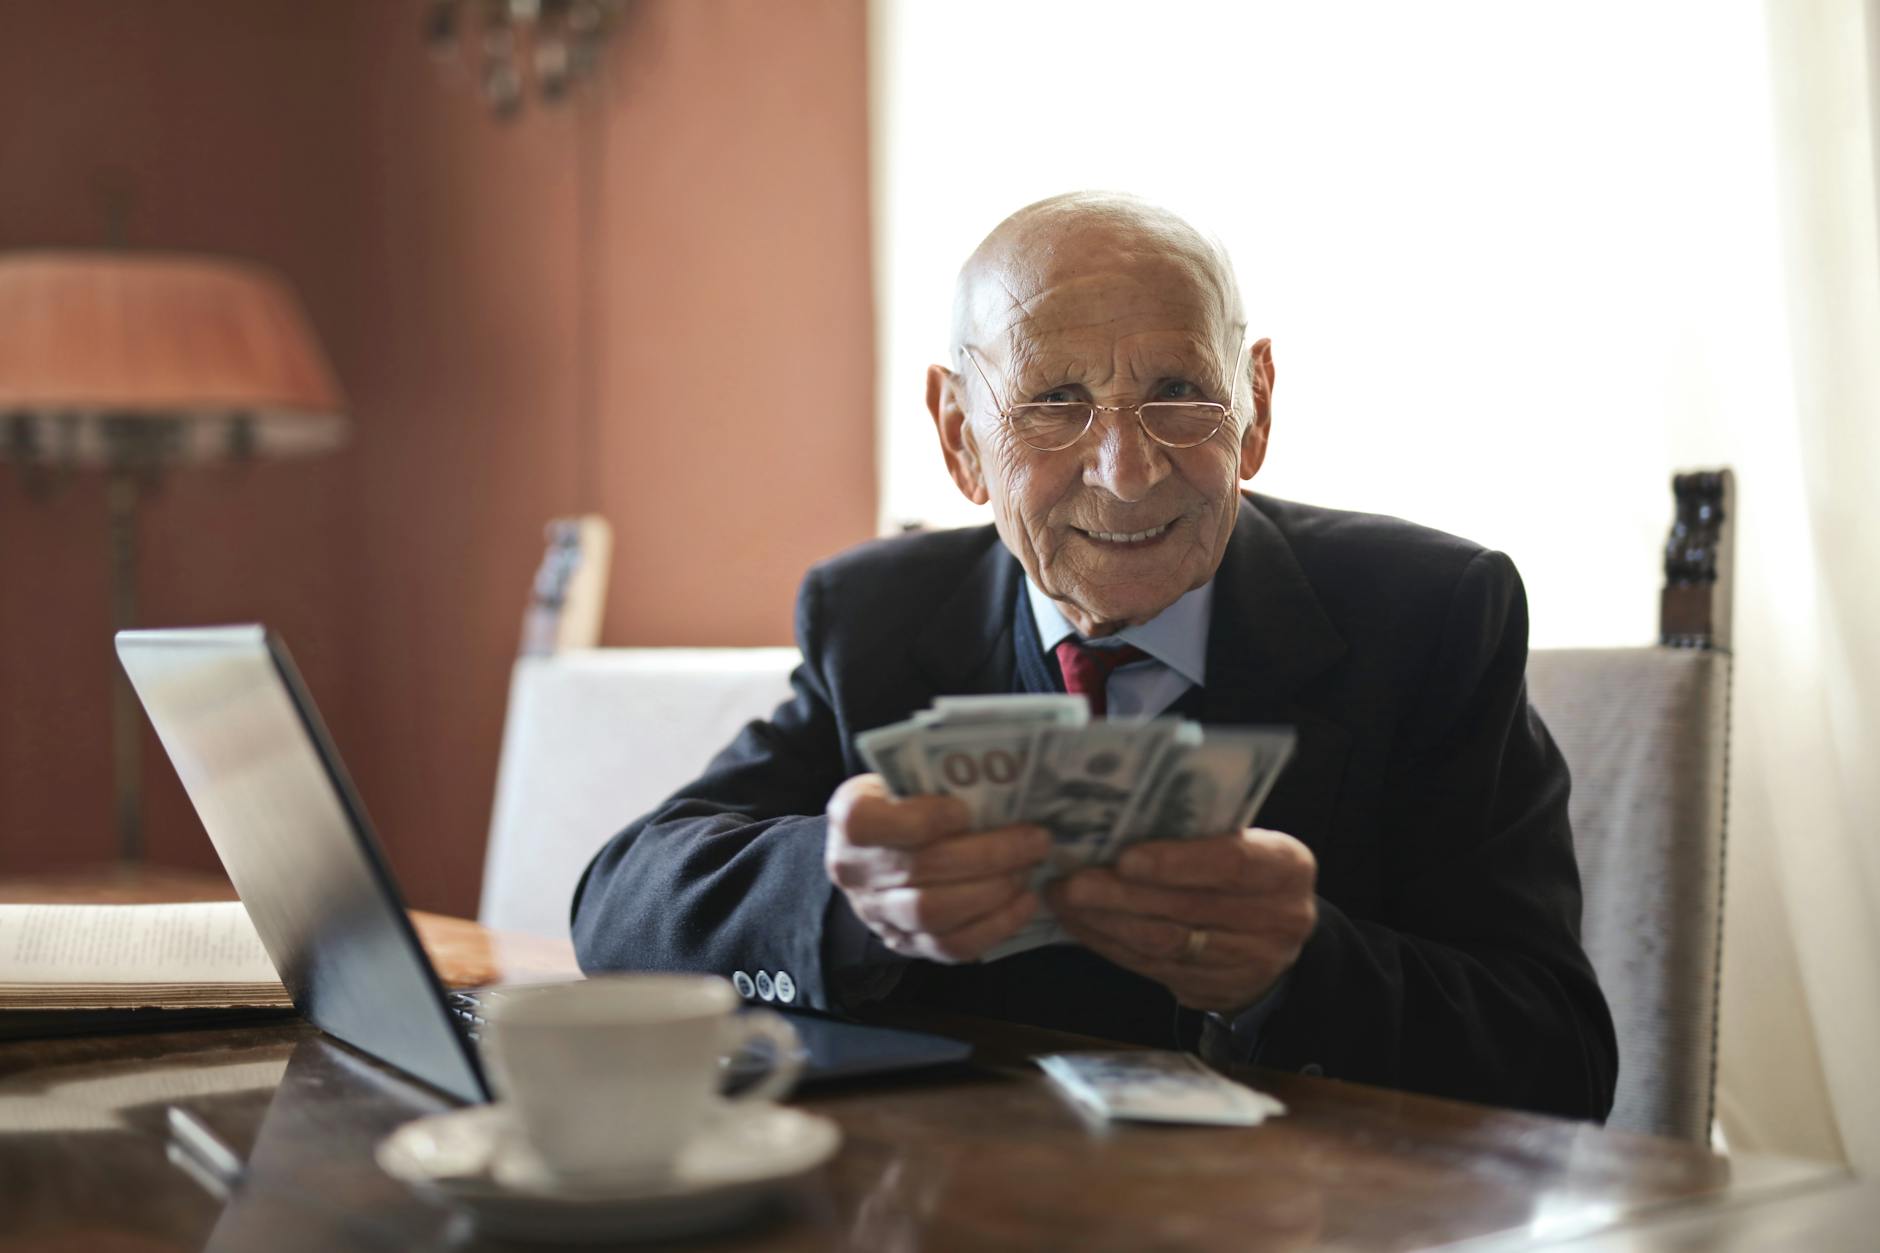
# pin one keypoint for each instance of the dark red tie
(1087, 670)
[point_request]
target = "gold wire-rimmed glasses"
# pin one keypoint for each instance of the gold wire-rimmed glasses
(1053, 426)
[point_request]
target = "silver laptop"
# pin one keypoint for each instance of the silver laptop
(244, 735)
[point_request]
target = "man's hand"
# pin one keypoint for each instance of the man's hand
(1217, 921)
(919, 879)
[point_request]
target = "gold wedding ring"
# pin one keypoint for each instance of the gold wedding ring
(1193, 946)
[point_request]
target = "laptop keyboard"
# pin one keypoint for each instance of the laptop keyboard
(463, 1008)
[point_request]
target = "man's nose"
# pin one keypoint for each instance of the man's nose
(1122, 459)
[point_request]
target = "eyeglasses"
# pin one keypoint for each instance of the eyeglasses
(1055, 426)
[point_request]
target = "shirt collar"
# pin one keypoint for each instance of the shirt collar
(1177, 637)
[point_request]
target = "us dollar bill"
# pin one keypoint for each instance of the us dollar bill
(983, 764)
(1273, 749)
(892, 752)
(1097, 787)
(1207, 788)
(908, 754)
(1082, 781)
(1032, 710)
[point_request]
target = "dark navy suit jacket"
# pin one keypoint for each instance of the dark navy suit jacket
(1446, 957)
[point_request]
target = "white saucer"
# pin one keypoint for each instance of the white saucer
(472, 1160)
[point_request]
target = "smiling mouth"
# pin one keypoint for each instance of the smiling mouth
(1125, 539)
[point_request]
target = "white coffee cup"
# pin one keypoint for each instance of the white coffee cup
(608, 1077)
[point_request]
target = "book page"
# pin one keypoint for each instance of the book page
(199, 942)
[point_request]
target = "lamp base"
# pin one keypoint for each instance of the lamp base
(126, 758)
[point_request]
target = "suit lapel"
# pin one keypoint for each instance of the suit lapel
(1037, 672)
(966, 649)
(1268, 638)
(1267, 635)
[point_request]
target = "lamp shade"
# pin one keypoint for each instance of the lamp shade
(183, 358)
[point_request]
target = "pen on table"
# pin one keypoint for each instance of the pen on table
(208, 1152)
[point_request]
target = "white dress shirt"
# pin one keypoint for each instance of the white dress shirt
(1175, 639)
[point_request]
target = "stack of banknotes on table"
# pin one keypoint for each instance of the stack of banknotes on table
(1097, 787)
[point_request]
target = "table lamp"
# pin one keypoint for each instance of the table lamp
(129, 363)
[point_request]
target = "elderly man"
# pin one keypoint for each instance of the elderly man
(1408, 912)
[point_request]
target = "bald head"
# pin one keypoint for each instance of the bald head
(1065, 237)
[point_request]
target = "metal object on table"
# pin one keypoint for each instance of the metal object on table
(202, 1154)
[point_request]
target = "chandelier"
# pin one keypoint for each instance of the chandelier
(513, 46)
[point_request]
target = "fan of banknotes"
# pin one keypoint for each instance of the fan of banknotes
(1096, 786)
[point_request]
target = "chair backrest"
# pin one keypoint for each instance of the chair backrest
(1645, 732)
(570, 590)
(592, 740)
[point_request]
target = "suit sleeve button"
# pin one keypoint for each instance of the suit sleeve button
(786, 987)
(742, 982)
(1312, 1069)
(766, 990)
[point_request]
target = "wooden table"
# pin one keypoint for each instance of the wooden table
(988, 1157)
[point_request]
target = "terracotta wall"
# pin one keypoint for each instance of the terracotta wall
(223, 127)
(654, 305)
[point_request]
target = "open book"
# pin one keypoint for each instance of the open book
(201, 955)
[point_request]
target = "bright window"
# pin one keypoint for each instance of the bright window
(1519, 262)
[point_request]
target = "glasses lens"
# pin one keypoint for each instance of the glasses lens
(1182, 426)
(1050, 427)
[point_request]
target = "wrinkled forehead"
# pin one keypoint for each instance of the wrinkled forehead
(1076, 287)
(1140, 316)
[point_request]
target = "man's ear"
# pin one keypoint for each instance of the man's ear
(946, 402)
(1253, 439)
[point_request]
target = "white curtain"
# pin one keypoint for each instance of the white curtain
(1804, 895)
(1519, 262)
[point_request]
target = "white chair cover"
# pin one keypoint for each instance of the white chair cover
(594, 739)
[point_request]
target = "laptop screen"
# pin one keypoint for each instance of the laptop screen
(268, 785)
